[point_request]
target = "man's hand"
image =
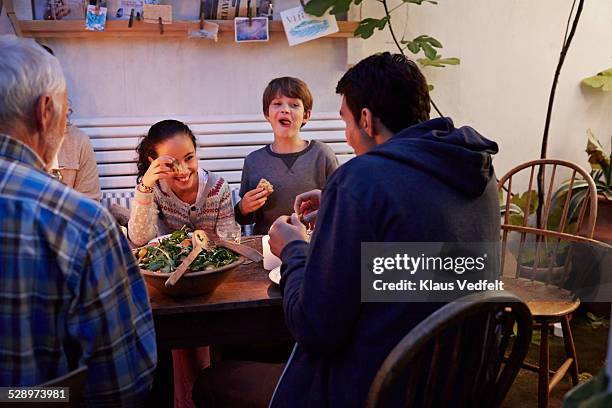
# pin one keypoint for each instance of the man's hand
(284, 230)
(307, 205)
(253, 200)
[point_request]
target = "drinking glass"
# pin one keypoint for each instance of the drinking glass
(230, 232)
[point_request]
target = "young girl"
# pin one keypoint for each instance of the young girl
(172, 191)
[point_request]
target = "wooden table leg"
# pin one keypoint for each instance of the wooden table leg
(162, 392)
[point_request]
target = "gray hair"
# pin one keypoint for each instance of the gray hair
(27, 71)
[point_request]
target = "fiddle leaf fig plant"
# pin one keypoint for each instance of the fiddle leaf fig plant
(424, 44)
(368, 25)
(601, 173)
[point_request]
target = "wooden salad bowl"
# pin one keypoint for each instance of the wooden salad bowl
(192, 283)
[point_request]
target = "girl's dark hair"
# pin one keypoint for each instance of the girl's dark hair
(391, 86)
(158, 133)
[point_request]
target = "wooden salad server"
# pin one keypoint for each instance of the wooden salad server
(243, 250)
(200, 242)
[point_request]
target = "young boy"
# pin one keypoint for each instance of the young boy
(291, 164)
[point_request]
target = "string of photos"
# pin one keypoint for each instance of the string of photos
(251, 18)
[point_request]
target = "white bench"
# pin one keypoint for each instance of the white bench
(223, 143)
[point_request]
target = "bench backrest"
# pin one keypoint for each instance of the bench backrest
(223, 143)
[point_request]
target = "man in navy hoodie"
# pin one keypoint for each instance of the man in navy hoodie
(413, 180)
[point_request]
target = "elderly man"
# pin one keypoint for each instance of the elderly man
(70, 291)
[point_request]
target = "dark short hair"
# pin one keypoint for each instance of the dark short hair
(289, 87)
(158, 133)
(391, 86)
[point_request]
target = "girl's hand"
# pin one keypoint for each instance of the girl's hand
(253, 200)
(160, 168)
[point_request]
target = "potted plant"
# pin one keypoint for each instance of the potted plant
(601, 172)
(544, 260)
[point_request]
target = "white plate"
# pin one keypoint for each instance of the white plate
(274, 275)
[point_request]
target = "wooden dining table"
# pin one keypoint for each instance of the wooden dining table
(245, 308)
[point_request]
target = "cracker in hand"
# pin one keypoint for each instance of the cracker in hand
(266, 185)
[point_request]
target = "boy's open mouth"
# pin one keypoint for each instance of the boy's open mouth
(285, 122)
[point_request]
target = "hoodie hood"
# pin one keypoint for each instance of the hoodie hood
(461, 158)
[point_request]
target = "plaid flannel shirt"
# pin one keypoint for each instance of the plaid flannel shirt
(70, 291)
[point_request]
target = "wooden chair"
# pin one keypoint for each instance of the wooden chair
(75, 381)
(454, 357)
(541, 285)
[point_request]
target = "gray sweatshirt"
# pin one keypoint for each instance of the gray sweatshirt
(310, 170)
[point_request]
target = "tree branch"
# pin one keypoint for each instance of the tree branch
(551, 98)
(399, 47)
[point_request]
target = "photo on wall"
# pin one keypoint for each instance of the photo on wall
(96, 18)
(227, 9)
(251, 30)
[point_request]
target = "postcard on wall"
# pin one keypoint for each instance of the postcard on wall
(96, 18)
(59, 9)
(152, 13)
(251, 30)
(209, 31)
(121, 9)
(226, 9)
(301, 27)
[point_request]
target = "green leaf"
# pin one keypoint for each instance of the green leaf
(598, 158)
(367, 26)
(413, 47)
(602, 80)
(319, 7)
(438, 62)
(519, 204)
(430, 52)
(434, 42)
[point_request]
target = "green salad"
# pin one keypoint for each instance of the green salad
(170, 252)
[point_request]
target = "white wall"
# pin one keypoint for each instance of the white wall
(151, 77)
(509, 51)
(192, 77)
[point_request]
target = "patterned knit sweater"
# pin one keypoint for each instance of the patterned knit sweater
(162, 212)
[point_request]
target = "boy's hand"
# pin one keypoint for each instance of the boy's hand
(307, 205)
(253, 200)
(285, 230)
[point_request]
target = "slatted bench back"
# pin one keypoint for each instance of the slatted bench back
(223, 143)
